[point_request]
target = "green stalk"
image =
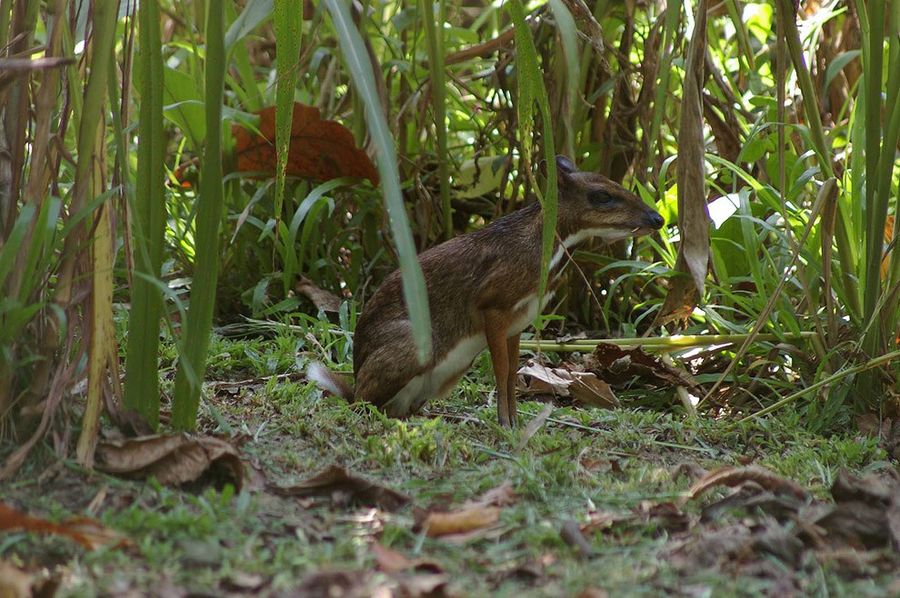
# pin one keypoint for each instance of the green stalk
(876, 198)
(192, 350)
(837, 376)
(660, 343)
(357, 59)
(531, 89)
(148, 225)
(287, 44)
(434, 38)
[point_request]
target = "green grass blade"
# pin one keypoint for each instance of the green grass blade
(414, 291)
(192, 351)
(531, 89)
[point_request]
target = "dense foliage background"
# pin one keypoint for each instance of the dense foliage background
(120, 188)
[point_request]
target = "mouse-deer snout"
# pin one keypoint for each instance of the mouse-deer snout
(591, 202)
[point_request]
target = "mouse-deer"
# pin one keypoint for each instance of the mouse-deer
(482, 292)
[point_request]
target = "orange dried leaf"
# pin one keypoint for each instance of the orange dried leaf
(87, 532)
(460, 522)
(320, 149)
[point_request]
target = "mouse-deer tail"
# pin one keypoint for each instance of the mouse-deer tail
(329, 381)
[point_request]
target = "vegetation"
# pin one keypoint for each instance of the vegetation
(144, 206)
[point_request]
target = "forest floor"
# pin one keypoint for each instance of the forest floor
(585, 502)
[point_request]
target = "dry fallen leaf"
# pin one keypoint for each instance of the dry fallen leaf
(389, 560)
(438, 524)
(733, 476)
(89, 533)
(618, 365)
(866, 513)
(339, 484)
(172, 459)
(584, 387)
(319, 149)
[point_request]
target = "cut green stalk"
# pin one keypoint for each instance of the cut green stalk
(148, 225)
(192, 349)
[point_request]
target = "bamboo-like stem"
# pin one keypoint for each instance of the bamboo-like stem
(660, 343)
(862, 367)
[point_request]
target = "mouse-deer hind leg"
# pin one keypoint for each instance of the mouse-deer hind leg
(495, 326)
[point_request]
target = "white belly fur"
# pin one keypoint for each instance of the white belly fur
(427, 385)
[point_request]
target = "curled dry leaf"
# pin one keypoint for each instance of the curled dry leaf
(337, 483)
(499, 496)
(618, 365)
(89, 533)
(866, 513)
(172, 459)
(533, 426)
(584, 387)
(733, 476)
(319, 149)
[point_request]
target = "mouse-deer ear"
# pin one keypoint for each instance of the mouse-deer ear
(564, 165)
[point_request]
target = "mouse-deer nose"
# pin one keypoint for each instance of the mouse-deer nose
(654, 220)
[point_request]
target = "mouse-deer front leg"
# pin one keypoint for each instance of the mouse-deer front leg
(495, 326)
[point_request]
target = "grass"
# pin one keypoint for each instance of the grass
(581, 460)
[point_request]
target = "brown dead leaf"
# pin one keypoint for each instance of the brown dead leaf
(693, 215)
(462, 521)
(422, 585)
(319, 149)
(335, 584)
(172, 459)
(238, 581)
(322, 299)
(533, 426)
(619, 365)
(592, 592)
(584, 387)
(499, 496)
(866, 513)
(89, 533)
(340, 485)
(666, 514)
(389, 560)
(733, 476)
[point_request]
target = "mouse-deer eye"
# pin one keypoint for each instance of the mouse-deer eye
(600, 197)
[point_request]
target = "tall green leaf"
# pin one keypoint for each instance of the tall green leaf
(287, 41)
(531, 89)
(414, 291)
